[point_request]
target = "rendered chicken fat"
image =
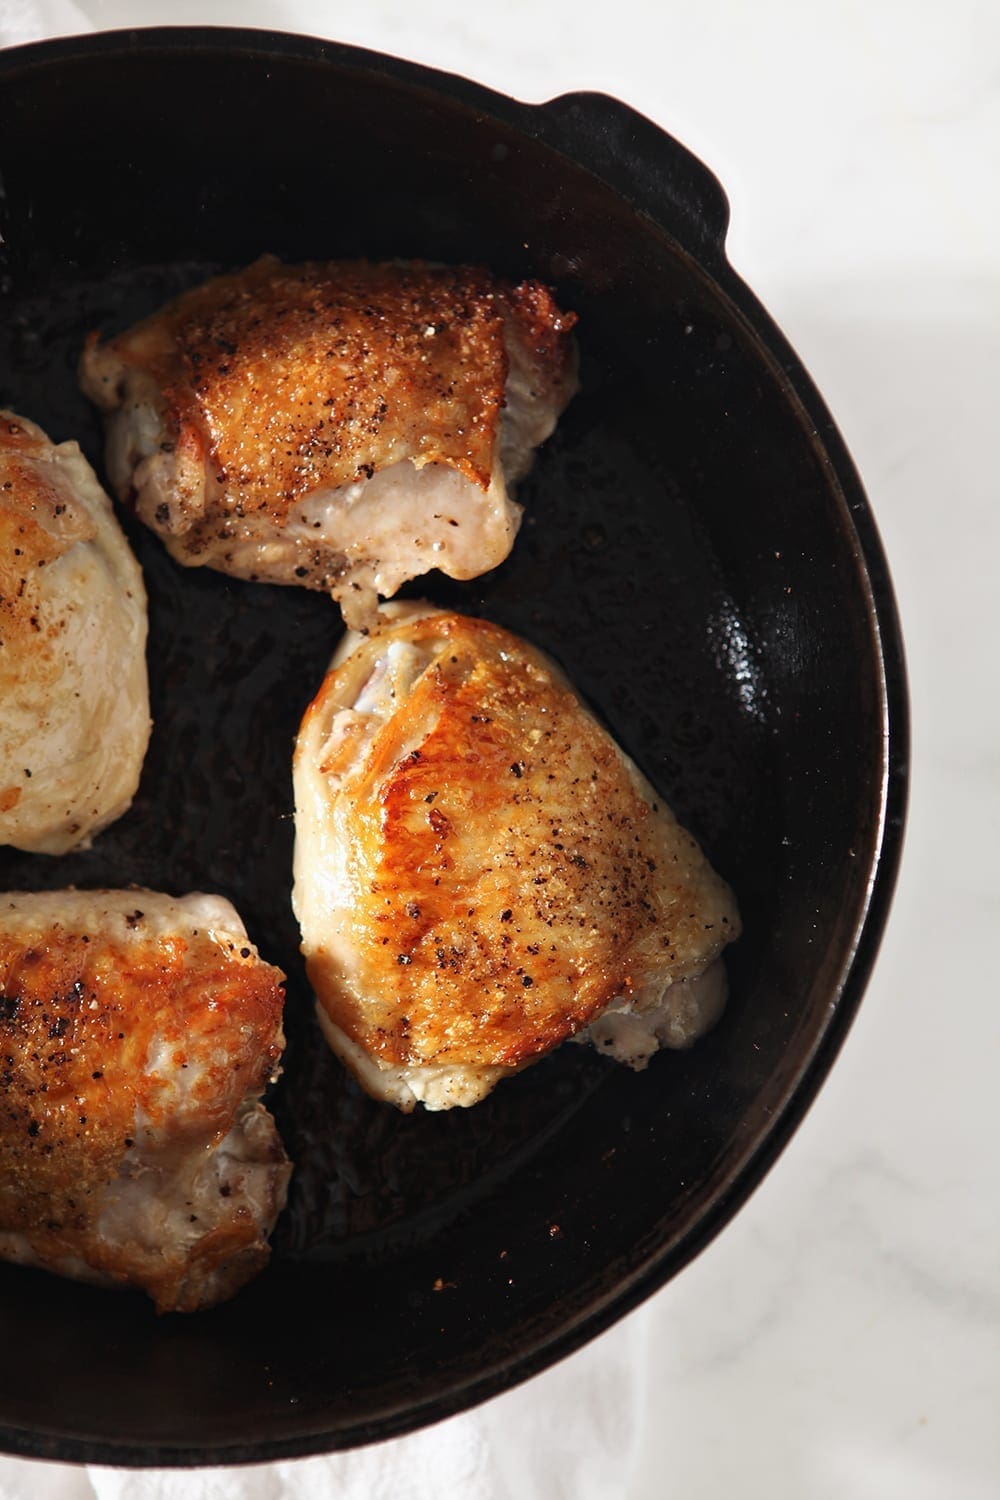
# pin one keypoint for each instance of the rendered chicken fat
(74, 699)
(137, 1033)
(344, 426)
(481, 874)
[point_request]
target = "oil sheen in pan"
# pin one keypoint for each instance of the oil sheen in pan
(619, 602)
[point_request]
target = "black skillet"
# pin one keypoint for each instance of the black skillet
(699, 555)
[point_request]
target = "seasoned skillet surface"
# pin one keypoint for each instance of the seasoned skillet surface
(233, 666)
(690, 559)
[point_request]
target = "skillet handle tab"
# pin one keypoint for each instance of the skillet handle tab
(659, 175)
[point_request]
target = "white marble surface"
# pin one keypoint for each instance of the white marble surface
(841, 1339)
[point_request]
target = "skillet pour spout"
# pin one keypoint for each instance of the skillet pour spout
(697, 554)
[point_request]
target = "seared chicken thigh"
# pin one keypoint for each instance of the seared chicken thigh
(74, 699)
(137, 1033)
(344, 425)
(482, 874)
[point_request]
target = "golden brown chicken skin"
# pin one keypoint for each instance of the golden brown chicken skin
(342, 425)
(137, 1032)
(74, 699)
(480, 873)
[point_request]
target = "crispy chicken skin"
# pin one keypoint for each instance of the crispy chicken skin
(137, 1033)
(480, 872)
(343, 425)
(74, 699)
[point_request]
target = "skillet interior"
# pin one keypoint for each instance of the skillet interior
(691, 558)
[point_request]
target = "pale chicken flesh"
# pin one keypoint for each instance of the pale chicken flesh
(345, 426)
(74, 698)
(137, 1034)
(482, 874)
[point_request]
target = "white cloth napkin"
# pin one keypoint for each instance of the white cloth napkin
(566, 1435)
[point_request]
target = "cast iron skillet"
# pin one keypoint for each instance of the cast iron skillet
(699, 555)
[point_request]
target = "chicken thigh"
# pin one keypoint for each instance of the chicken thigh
(482, 874)
(345, 425)
(137, 1033)
(74, 698)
